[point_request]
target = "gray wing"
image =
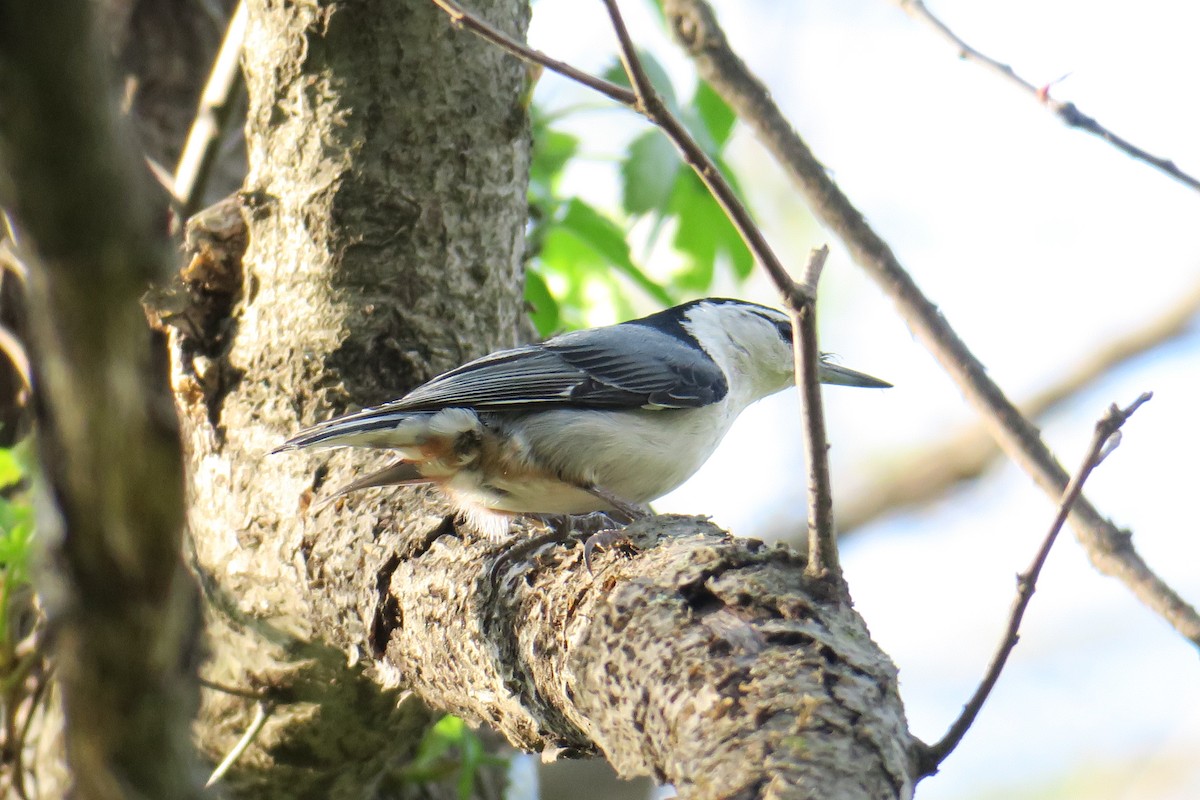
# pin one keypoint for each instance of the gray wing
(622, 366)
(625, 366)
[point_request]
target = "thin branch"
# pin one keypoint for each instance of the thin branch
(212, 117)
(650, 104)
(461, 18)
(262, 711)
(646, 101)
(800, 298)
(245, 694)
(1109, 548)
(1067, 112)
(1104, 441)
(822, 537)
(928, 471)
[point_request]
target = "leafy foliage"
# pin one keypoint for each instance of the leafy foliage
(579, 251)
(450, 749)
(22, 666)
(16, 537)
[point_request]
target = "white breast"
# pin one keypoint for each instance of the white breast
(637, 455)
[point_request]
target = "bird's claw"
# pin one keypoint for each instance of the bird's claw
(603, 540)
(522, 549)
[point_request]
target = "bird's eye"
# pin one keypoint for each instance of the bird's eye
(785, 331)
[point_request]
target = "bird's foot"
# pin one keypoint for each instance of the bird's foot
(603, 540)
(559, 531)
(596, 530)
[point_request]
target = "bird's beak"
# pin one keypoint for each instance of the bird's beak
(838, 375)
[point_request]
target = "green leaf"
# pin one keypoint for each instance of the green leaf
(544, 312)
(551, 152)
(648, 173)
(16, 541)
(704, 233)
(654, 71)
(715, 113)
(473, 759)
(607, 244)
(11, 470)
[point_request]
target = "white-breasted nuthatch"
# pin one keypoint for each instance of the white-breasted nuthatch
(593, 420)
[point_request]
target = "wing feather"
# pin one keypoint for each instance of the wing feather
(622, 366)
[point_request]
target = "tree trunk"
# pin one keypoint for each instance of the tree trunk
(121, 609)
(386, 207)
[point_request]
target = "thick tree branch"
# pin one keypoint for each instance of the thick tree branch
(1067, 112)
(703, 660)
(123, 610)
(385, 207)
(1110, 549)
(1104, 441)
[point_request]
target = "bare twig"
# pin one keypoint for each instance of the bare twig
(822, 537)
(464, 19)
(930, 470)
(1109, 549)
(1067, 112)
(646, 101)
(212, 117)
(1104, 441)
(262, 711)
(245, 694)
(800, 298)
(651, 105)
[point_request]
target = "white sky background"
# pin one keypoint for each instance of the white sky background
(1036, 241)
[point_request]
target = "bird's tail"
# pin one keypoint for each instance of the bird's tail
(399, 473)
(390, 428)
(432, 445)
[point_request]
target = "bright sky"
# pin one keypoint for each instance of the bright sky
(1037, 242)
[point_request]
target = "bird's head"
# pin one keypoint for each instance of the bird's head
(756, 342)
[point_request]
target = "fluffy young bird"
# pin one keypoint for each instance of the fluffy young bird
(594, 420)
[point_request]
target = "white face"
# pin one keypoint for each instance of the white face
(747, 341)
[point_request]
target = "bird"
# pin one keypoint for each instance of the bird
(604, 419)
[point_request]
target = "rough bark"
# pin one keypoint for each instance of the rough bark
(386, 205)
(705, 661)
(122, 610)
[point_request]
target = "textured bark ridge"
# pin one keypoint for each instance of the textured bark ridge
(386, 205)
(702, 660)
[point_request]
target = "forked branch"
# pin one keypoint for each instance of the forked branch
(1104, 441)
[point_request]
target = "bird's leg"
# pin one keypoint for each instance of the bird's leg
(628, 510)
(612, 536)
(561, 528)
(564, 527)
